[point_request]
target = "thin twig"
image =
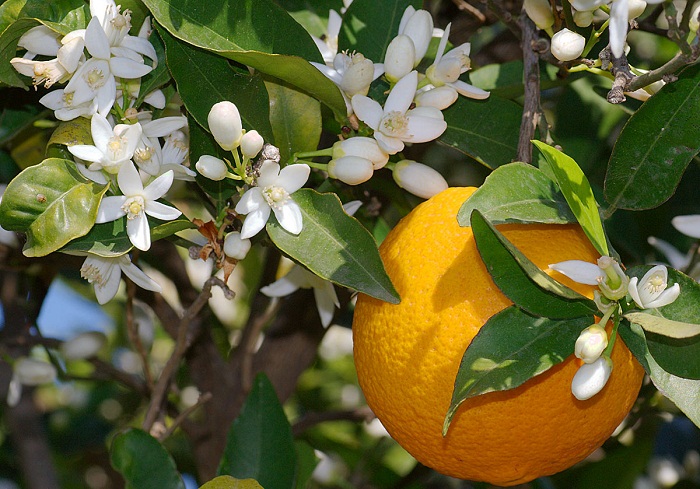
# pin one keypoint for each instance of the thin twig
(467, 7)
(504, 15)
(309, 420)
(132, 329)
(204, 398)
(250, 340)
(620, 69)
(531, 74)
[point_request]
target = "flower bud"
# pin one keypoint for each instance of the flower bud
(540, 12)
(583, 18)
(419, 179)
(590, 379)
(211, 167)
(358, 75)
(251, 144)
(352, 170)
(85, 345)
(591, 343)
(440, 97)
(636, 8)
(225, 124)
(567, 45)
(419, 27)
(398, 61)
(34, 372)
(236, 247)
(363, 147)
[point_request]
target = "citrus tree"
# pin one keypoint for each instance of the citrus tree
(204, 199)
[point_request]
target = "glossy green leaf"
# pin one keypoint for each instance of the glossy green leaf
(334, 246)
(260, 443)
(249, 32)
(578, 193)
(14, 120)
(683, 392)
(517, 192)
(53, 203)
(109, 239)
(68, 133)
(522, 281)
(143, 462)
(204, 78)
(487, 130)
(159, 76)
(678, 356)
(306, 463)
(361, 32)
(663, 326)
(228, 482)
(656, 145)
(295, 119)
(511, 348)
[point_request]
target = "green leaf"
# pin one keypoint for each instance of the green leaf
(511, 348)
(204, 78)
(256, 33)
(228, 482)
(14, 120)
(678, 356)
(306, 463)
(76, 131)
(369, 26)
(334, 246)
(655, 146)
(260, 443)
(517, 192)
(143, 462)
(487, 130)
(578, 193)
(159, 76)
(663, 326)
(295, 119)
(683, 392)
(522, 281)
(110, 239)
(53, 203)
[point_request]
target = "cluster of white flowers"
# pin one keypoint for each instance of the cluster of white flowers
(102, 66)
(592, 345)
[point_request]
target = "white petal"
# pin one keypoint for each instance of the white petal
(367, 110)
(139, 232)
(287, 284)
(351, 207)
(329, 72)
(162, 211)
(688, 225)
(326, 302)
(289, 217)
(101, 131)
(579, 271)
(160, 128)
(590, 379)
(675, 258)
(618, 27)
(423, 129)
(269, 173)
(106, 95)
(138, 276)
(634, 292)
(140, 45)
(127, 68)
(470, 91)
(86, 152)
(293, 177)
(70, 53)
(108, 289)
(388, 144)
(251, 201)
(129, 180)
(254, 222)
(666, 297)
(110, 208)
(96, 40)
(401, 96)
(158, 187)
(155, 99)
(334, 22)
(443, 44)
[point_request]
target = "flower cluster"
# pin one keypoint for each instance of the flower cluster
(615, 290)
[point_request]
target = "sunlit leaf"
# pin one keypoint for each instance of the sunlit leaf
(228, 482)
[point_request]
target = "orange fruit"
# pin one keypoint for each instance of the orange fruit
(407, 355)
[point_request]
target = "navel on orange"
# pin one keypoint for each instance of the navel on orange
(407, 355)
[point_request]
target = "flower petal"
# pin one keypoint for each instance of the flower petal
(619, 14)
(666, 297)
(160, 128)
(401, 96)
(128, 68)
(579, 271)
(101, 131)
(468, 90)
(161, 211)
(86, 152)
(158, 187)
(110, 209)
(96, 40)
(367, 110)
(688, 225)
(634, 292)
(105, 291)
(287, 284)
(254, 222)
(269, 173)
(388, 144)
(422, 129)
(138, 276)
(139, 232)
(140, 45)
(129, 180)
(293, 177)
(251, 201)
(289, 217)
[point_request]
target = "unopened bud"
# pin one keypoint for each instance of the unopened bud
(419, 27)
(636, 8)
(251, 144)
(352, 170)
(225, 124)
(540, 12)
(211, 167)
(590, 379)
(358, 76)
(363, 147)
(419, 179)
(398, 61)
(567, 45)
(591, 343)
(236, 247)
(583, 18)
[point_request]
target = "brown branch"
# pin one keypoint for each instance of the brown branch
(505, 16)
(620, 69)
(132, 329)
(309, 420)
(467, 7)
(249, 341)
(203, 399)
(531, 73)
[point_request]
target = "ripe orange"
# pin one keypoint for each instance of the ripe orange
(407, 355)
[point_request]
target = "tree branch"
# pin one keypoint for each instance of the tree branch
(531, 74)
